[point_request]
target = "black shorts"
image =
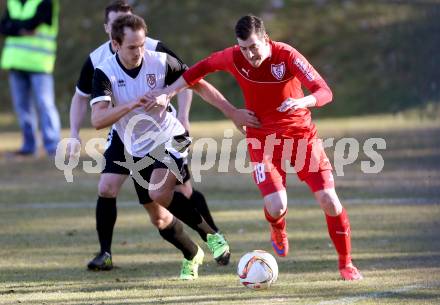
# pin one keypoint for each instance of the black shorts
(115, 152)
(145, 174)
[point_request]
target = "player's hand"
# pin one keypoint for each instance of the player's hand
(157, 100)
(150, 101)
(244, 117)
(292, 105)
(155, 94)
(74, 148)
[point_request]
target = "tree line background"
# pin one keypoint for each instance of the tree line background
(377, 56)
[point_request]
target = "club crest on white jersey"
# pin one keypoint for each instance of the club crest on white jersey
(151, 80)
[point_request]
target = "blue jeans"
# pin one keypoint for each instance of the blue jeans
(29, 87)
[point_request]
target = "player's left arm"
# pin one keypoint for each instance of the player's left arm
(184, 100)
(320, 93)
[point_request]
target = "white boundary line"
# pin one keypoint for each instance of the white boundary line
(238, 203)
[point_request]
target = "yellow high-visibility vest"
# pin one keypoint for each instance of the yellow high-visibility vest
(33, 53)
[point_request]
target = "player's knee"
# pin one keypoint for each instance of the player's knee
(159, 222)
(107, 190)
(276, 205)
(329, 203)
(159, 217)
(162, 197)
(276, 210)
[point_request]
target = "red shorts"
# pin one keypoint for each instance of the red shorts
(272, 158)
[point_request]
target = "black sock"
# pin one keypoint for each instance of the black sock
(184, 209)
(106, 213)
(175, 235)
(199, 202)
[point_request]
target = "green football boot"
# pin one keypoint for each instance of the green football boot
(190, 268)
(219, 248)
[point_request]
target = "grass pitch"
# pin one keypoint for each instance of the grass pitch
(47, 232)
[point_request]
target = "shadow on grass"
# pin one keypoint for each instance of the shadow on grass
(149, 272)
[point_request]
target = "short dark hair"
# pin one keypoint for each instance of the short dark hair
(249, 24)
(133, 22)
(117, 6)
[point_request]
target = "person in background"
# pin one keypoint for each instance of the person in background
(29, 52)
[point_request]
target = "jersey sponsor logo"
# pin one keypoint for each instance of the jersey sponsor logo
(121, 83)
(151, 80)
(278, 71)
(246, 71)
(304, 68)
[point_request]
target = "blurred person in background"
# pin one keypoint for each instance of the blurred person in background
(31, 28)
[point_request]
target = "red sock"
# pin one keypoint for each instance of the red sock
(339, 231)
(279, 222)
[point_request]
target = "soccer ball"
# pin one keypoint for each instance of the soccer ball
(257, 270)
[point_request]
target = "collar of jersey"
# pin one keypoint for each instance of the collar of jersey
(133, 73)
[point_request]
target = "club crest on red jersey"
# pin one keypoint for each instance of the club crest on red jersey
(151, 80)
(278, 70)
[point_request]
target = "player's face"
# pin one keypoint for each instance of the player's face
(255, 49)
(132, 48)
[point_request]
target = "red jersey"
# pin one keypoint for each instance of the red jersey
(264, 88)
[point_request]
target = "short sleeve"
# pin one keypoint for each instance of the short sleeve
(175, 68)
(102, 88)
(85, 81)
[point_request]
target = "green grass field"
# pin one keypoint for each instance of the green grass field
(47, 231)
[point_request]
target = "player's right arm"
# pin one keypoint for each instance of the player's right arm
(104, 112)
(240, 117)
(210, 94)
(215, 62)
(193, 78)
(79, 104)
(78, 110)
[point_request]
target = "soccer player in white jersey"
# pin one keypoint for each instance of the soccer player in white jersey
(151, 135)
(113, 175)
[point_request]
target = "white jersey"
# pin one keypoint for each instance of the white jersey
(96, 57)
(141, 132)
(104, 51)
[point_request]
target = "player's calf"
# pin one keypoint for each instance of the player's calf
(278, 234)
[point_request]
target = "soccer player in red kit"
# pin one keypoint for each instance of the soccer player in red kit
(278, 123)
